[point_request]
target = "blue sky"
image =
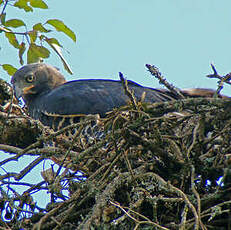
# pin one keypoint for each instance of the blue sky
(181, 37)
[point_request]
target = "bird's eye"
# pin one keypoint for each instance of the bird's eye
(29, 78)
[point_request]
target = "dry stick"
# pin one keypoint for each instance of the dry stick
(128, 163)
(38, 143)
(90, 149)
(206, 212)
(222, 80)
(194, 138)
(216, 206)
(190, 103)
(178, 192)
(69, 150)
(150, 143)
(20, 183)
(226, 78)
(54, 134)
(19, 209)
(22, 173)
(127, 91)
(106, 195)
(67, 214)
(29, 168)
(183, 217)
(156, 73)
(38, 225)
(91, 177)
(10, 149)
(197, 197)
(110, 167)
(116, 158)
(133, 218)
(44, 152)
(58, 224)
(37, 186)
(31, 165)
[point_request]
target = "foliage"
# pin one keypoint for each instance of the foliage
(31, 41)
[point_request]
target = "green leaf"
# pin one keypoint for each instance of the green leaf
(33, 35)
(35, 53)
(32, 57)
(40, 27)
(42, 51)
(38, 4)
(22, 49)
(57, 49)
(23, 4)
(1, 1)
(52, 41)
(9, 69)
(12, 39)
(60, 26)
(14, 23)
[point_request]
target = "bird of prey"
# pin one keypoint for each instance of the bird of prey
(56, 102)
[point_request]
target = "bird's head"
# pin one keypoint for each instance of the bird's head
(34, 79)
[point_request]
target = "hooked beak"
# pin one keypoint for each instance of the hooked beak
(17, 92)
(27, 90)
(21, 92)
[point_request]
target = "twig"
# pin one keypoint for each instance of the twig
(110, 167)
(67, 214)
(194, 139)
(226, 78)
(148, 221)
(183, 218)
(222, 80)
(4, 7)
(55, 134)
(128, 163)
(127, 91)
(178, 192)
(22, 173)
(44, 152)
(21, 184)
(69, 150)
(156, 73)
(197, 197)
(28, 168)
(49, 214)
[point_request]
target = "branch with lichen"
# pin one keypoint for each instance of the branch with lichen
(156, 73)
(222, 79)
(147, 170)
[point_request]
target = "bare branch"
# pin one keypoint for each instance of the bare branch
(156, 73)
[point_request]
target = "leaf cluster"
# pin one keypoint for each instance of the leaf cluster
(32, 41)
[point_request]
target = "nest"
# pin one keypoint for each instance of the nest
(158, 166)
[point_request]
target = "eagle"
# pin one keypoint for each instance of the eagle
(54, 101)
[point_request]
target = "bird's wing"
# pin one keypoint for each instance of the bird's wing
(92, 97)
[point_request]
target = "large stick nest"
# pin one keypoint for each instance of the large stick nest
(159, 166)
